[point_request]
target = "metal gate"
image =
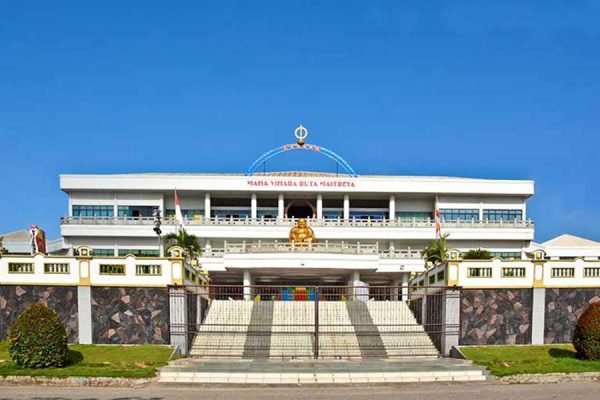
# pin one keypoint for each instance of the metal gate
(316, 321)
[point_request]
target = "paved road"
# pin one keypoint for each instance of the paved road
(441, 391)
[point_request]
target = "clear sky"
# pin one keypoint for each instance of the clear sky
(509, 89)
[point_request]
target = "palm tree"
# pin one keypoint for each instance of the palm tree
(188, 242)
(436, 251)
(477, 254)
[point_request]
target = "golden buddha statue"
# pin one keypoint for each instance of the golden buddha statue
(301, 233)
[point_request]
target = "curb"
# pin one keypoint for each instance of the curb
(75, 381)
(551, 378)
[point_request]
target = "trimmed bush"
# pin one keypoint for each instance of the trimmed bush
(38, 339)
(586, 338)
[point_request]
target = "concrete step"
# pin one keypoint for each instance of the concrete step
(316, 372)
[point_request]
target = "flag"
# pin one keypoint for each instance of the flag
(178, 214)
(438, 224)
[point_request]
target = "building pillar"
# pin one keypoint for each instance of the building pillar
(247, 285)
(84, 314)
(405, 286)
(207, 205)
(346, 207)
(392, 207)
(253, 206)
(319, 206)
(538, 316)
(178, 324)
(280, 206)
(396, 289)
(451, 315)
(207, 245)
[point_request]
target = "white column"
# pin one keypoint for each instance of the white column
(178, 318)
(253, 206)
(481, 210)
(280, 206)
(319, 206)
(84, 314)
(451, 315)
(115, 205)
(207, 245)
(247, 284)
(207, 205)
(396, 290)
(405, 286)
(538, 316)
(392, 207)
(346, 206)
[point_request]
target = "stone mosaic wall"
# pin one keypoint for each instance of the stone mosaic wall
(61, 299)
(495, 316)
(130, 315)
(563, 309)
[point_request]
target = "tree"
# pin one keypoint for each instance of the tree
(188, 242)
(436, 251)
(477, 254)
(2, 249)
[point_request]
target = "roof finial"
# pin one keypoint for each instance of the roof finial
(301, 133)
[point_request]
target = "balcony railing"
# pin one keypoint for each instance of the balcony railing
(317, 248)
(325, 222)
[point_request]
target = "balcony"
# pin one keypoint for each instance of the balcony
(287, 222)
(316, 248)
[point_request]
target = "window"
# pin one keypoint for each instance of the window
(441, 276)
(103, 252)
(226, 214)
(267, 212)
(568, 272)
(333, 214)
(139, 252)
(189, 214)
(506, 255)
(479, 273)
(368, 214)
(148, 269)
(112, 269)
(456, 214)
(416, 215)
(136, 211)
(591, 272)
(56, 268)
(513, 272)
(431, 279)
(20, 268)
(504, 215)
(93, 211)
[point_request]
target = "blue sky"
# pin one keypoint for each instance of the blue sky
(505, 89)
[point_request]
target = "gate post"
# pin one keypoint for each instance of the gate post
(451, 320)
(178, 323)
(317, 322)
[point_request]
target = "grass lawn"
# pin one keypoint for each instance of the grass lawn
(94, 360)
(512, 360)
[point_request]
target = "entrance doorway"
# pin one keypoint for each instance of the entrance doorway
(300, 209)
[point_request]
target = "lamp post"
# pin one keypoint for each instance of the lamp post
(157, 223)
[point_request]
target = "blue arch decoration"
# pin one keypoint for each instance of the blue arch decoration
(294, 146)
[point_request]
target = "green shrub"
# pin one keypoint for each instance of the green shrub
(38, 339)
(477, 254)
(586, 338)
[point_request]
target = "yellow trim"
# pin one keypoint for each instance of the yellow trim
(37, 284)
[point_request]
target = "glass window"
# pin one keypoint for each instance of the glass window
(93, 211)
(459, 214)
(332, 214)
(416, 215)
(136, 211)
(504, 215)
(103, 252)
(506, 255)
(139, 252)
(368, 214)
(226, 214)
(441, 276)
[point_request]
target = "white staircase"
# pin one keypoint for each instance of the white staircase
(223, 333)
(286, 329)
(400, 332)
